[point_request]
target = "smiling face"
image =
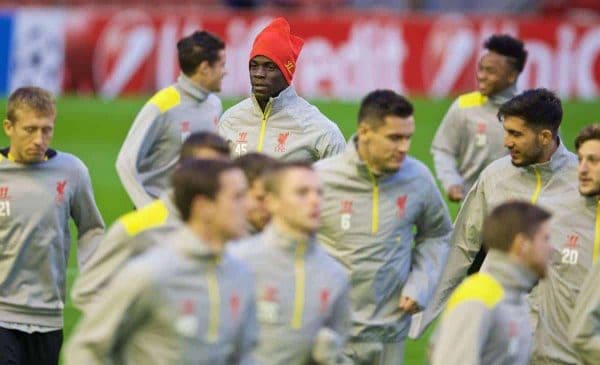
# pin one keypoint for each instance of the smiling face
(522, 142)
(494, 73)
(30, 135)
(266, 79)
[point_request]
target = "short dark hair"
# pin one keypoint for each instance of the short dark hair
(506, 221)
(379, 104)
(255, 165)
(274, 176)
(197, 48)
(539, 108)
(203, 140)
(509, 47)
(590, 132)
(197, 177)
(35, 99)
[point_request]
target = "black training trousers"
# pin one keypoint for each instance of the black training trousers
(22, 348)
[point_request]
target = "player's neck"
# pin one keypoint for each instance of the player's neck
(365, 157)
(208, 234)
(549, 152)
(298, 235)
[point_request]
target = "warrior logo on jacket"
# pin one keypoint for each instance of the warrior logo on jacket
(185, 130)
(268, 306)
(241, 144)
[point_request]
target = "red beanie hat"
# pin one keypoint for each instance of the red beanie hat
(277, 44)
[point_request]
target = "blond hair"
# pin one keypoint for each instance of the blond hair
(30, 98)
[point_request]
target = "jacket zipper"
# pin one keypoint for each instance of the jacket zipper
(374, 204)
(538, 186)
(299, 278)
(214, 298)
(263, 126)
(596, 235)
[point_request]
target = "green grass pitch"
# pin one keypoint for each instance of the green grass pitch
(93, 129)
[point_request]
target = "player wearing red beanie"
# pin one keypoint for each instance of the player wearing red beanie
(275, 120)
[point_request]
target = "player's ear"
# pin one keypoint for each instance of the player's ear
(363, 129)
(8, 127)
(545, 137)
(203, 67)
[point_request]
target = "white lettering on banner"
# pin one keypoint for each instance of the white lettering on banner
(166, 69)
(538, 71)
(589, 48)
(375, 53)
(564, 57)
(170, 32)
(350, 71)
(125, 44)
(447, 52)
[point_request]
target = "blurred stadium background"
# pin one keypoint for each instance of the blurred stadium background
(105, 60)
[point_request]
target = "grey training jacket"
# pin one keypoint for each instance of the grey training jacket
(36, 202)
(369, 224)
(290, 129)
(300, 290)
(151, 149)
(552, 185)
(487, 318)
(584, 328)
(178, 303)
(131, 234)
(469, 138)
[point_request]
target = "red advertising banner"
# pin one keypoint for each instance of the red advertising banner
(115, 52)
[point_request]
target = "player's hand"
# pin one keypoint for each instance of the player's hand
(456, 193)
(408, 305)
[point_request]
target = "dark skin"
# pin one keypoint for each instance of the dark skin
(266, 79)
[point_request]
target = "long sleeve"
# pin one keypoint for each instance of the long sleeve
(137, 144)
(111, 322)
(465, 242)
(340, 320)
(462, 334)
(248, 337)
(111, 254)
(584, 330)
(331, 143)
(87, 217)
(445, 148)
(431, 248)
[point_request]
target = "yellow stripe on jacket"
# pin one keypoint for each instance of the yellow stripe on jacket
(149, 216)
(538, 186)
(263, 127)
(480, 287)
